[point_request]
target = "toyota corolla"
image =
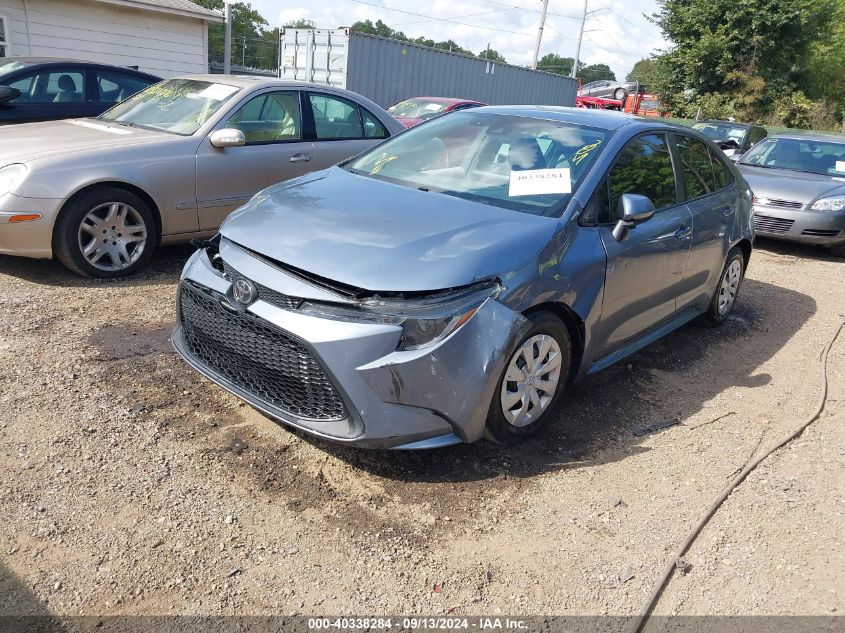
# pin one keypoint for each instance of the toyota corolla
(451, 282)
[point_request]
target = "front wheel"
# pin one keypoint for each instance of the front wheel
(536, 374)
(724, 298)
(105, 233)
(620, 94)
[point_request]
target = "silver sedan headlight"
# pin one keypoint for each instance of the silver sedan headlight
(11, 176)
(834, 203)
(424, 321)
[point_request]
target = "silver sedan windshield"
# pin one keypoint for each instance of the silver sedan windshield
(178, 106)
(808, 155)
(521, 163)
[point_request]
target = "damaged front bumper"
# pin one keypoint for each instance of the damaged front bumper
(391, 398)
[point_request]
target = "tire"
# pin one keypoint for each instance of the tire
(838, 250)
(104, 219)
(724, 299)
(510, 428)
(619, 94)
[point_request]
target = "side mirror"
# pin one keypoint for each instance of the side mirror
(632, 209)
(7, 93)
(227, 137)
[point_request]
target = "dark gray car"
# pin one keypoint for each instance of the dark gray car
(798, 182)
(733, 138)
(448, 284)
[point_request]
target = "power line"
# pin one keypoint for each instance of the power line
(450, 21)
(523, 8)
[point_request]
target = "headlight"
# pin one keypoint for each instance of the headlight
(424, 321)
(11, 176)
(836, 203)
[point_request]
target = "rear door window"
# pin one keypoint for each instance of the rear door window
(697, 167)
(335, 118)
(115, 87)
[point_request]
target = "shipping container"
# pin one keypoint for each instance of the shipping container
(388, 71)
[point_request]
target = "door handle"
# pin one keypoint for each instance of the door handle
(300, 158)
(684, 232)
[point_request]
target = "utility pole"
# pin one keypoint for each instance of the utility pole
(227, 42)
(540, 34)
(574, 72)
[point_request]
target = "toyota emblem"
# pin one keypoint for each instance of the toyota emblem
(243, 291)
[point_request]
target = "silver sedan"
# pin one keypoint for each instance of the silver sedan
(798, 182)
(168, 164)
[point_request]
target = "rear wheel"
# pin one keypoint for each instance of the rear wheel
(620, 94)
(104, 233)
(536, 374)
(724, 298)
(838, 250)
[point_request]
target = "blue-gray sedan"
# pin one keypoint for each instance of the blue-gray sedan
(451, 282)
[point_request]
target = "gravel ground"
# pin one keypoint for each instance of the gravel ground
(131, 485)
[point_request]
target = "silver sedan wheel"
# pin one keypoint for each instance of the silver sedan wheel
(112, 236)
(729, 287)
(531, 380)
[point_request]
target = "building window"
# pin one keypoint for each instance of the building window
(5, 36)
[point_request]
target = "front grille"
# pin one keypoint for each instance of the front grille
(784, 204)
(266, 294)
(820, 232)
(263, 360)
(768, 224)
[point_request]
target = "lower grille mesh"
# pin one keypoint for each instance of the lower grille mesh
(768, 224)
(259, 358)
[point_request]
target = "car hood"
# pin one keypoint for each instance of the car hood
(32, 141)
(378, 236)
(785, 184)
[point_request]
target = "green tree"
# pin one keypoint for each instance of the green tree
(733, 47)
(553, 63)
(595, 72)
(301, 23)
(493, 55)
(248, 43)
(643, 71)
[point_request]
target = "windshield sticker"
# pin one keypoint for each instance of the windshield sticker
(840, 166)
(537, 182)
(216, 92)
(380, 161)
(434, 107)
(582, 153)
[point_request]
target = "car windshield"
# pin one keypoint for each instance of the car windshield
(816, 157)
(721, 131)
(417, 108)
(177, 106)
(516, 162)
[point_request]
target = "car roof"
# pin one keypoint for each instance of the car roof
(810, 136)
(593, 117)
(53, 61)
(255, 81)
(724, 122)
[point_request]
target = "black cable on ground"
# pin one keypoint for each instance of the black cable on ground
(649, 603)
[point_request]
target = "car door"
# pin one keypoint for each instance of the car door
(57, 92)
(275, 151)
(341, 128)
(646, 270)
(711, 198)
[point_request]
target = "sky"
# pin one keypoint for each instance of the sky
(617, 34)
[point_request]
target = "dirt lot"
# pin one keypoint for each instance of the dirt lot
(132, 485)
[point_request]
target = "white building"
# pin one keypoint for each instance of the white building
(163, 37)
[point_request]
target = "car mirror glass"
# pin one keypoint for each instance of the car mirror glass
(227, 137)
